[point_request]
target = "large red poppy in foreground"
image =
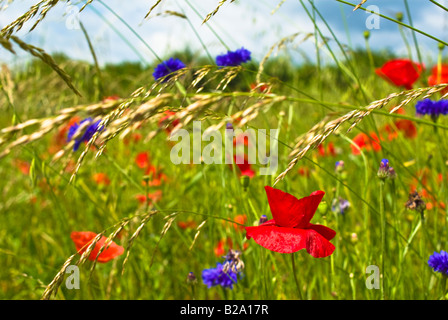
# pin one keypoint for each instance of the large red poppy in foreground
(83, 239)
(291, 230)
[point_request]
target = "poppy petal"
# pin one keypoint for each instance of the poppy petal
(244, 165)
(324, 231)
(288, 211)
(290, 240)
(269, 223)
(112, 251)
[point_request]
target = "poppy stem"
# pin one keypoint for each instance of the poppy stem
(295, 276)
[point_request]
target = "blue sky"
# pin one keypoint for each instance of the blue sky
(248, 23)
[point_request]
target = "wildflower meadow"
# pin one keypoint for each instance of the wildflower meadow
(219, 173)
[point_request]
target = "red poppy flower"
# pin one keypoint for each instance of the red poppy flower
(401, 72)
(155, 196)
(141, 198)
(435, 78)
(407, 127)
(321, 150)
(220, 249)
(240, 220)
(166, 118)
(23, 166)
(331, 150)
(134, 138)
(142, 160)
(155, 176)
(244, 166)
(82, 240)
(304, 172)
(190, 224)
(241, 139)
(290, 229)
(151, 197)
(101, 179)
(262, 88)
(392, 133)
(363, 141)
(403, 125)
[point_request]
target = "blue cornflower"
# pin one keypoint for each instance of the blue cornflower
(439, 262)
(167, 67)
(340, 206)
(432, 108)
(88, 133)
(233, 58)
(216, 276)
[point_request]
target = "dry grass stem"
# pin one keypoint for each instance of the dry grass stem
(211, 14)
(143, 222)
(359, 5)
(52, 288)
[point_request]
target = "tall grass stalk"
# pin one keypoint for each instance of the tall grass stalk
(296, 280)
(383, 239)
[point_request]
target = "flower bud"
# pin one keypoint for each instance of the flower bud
(383, 171)
(263, 219)
(392, 173)
(323, 207)
(191, 278)
(245, 180)
(367, 34)
(339, 167)
(415, 202)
